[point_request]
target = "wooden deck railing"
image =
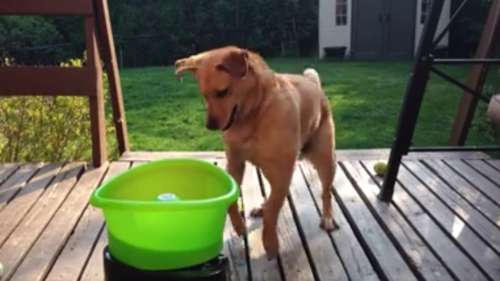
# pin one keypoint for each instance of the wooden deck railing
(86, 81)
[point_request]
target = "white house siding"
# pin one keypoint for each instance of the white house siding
(331, 35)
(443, 21)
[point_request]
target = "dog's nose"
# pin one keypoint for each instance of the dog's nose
(212, 123)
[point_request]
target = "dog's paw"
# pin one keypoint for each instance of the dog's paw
(257, 212)
(272, 251)
(271, 245)
(271, 256)
(328, 224)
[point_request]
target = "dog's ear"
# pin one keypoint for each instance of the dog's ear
(189, 64)
(235, 63)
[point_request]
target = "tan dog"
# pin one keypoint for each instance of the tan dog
(268, 119)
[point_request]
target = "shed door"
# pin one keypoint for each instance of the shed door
(383, 28)
(367, 30)
(400, 28)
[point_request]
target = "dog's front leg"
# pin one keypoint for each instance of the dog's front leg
(236, 168)
(279, 174)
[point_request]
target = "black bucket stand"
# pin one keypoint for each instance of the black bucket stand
(214, 270)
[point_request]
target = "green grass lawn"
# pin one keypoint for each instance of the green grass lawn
(164, 114)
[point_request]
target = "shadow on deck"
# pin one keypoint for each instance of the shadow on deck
(443, 222)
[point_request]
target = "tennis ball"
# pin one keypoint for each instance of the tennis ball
(1, 270)
(380, 168)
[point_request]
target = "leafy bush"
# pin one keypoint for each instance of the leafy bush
(45, 128)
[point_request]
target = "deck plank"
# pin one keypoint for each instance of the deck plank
(443, 245)
(262, 268)
(149, 156)
(234, 246)
(387, 258)
(323, 254)
(94, 269)
(453, 225)
(344, 154)
(30, 227)
(488, 168)
(355, 260)
(6, 170)
(483, 184)
(409, 241)
(234, 250)
(15, 210)
(16, 182)
(76, 251)
(495, 163)
(293, 255)
(466, 209)
(41, 256)
(461, 188)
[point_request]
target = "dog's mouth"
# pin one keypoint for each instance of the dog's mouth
(232, 117)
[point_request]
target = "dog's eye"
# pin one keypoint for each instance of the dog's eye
(221, 94)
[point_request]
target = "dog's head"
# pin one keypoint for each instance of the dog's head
(224, 79)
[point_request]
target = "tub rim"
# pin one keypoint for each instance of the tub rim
(97, 200)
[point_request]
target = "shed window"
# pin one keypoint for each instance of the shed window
(341, 12)
(426, 8)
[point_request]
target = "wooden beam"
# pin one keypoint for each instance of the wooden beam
(96, 102)
(47, 7)
(50, 81)
(477, 76)
(107, 48)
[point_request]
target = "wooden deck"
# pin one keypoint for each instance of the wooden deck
(443, 224)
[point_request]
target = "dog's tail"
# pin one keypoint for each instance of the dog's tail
(312, 74)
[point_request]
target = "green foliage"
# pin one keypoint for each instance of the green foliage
(466, 29)
(46, 128)
(156, 32)
(20, 36)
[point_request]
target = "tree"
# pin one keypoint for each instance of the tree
(466, 30)
(152, 32)
(31, 40)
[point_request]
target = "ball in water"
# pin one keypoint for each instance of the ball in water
(166, 197)
(380, 169)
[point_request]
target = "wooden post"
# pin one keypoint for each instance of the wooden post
(477, 76)
(96, 102)
(107, 47)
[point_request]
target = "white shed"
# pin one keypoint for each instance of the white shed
(375, 28)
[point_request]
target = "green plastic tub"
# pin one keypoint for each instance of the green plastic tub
(166, 214)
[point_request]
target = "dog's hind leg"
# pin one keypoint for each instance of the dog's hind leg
(320, 152)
